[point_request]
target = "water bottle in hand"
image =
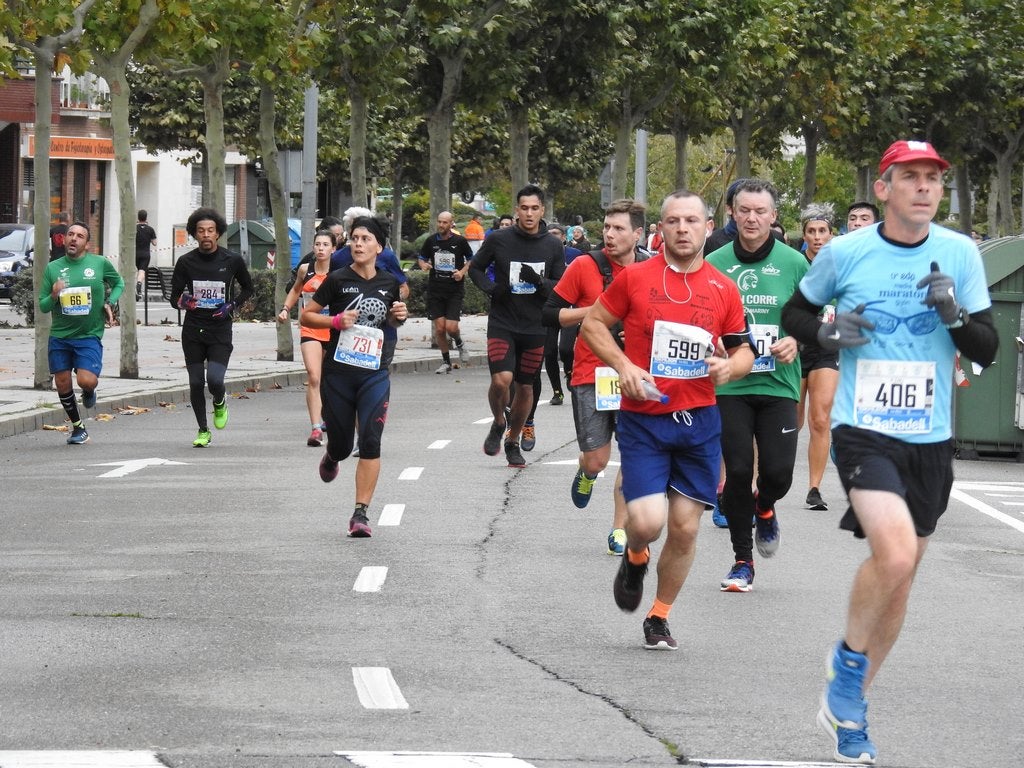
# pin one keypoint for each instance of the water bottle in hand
(651, 392)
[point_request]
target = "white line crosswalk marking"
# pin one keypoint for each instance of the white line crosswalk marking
(79, 759)
(434, 760)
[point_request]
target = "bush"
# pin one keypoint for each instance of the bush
(23, 296)
(475, 303)
(261, 306)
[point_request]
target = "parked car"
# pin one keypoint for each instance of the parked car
(16, 243)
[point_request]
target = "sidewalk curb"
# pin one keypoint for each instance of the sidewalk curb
(36, 419)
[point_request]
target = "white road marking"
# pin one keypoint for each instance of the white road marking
(377, 688)
(434, 760)
(437, 445)
(488, 420)
(984, 508)
(133, 465)
(79, 759)
(411, 473)
(391, 514)
(370, 578)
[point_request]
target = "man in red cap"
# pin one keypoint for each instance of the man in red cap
(909, 294)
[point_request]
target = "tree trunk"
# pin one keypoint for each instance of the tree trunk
(742, 129)
(992, 213)
(439, 132)
(45, 55)
(113, 71)
(357, 144)
(623, 149)
(865, 184)
(810, 132)
(212, 79)
(1004, 173)
(964, 197)
(397, 206)
(681, 135)
(519, 146)
(279, 209)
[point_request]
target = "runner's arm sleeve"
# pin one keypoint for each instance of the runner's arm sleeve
(978, 339)
(113, 278)
(177, 284)
(45, 291)
(800, 318)
(478, 269)
(554, 305)
(245, 285)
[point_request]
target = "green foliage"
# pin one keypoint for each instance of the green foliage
(475, 303)
(261, 307)
(834, 183)
(23, 297)
(416, 213)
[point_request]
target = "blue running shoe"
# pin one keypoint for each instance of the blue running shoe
(89, 398)
(617, 542)
(843, 700)
(740, 577)
(718, 516)
(852, 745)
(766, 536)
(582, 487)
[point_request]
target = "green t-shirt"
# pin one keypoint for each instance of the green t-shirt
(78, 310)
(765, 286)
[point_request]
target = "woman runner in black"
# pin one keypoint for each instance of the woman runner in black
(355, 383)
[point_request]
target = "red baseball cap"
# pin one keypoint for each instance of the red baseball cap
(908, 152)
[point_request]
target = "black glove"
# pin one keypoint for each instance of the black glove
(224, 310)
(941, 295)
(529, 275)
(501, 287)
(844, 331)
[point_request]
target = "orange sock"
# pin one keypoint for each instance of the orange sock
(660, 609)
(638, 558)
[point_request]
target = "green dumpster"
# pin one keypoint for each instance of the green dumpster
(988, 419)
(253, 239)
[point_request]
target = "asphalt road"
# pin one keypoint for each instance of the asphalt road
(211, 612)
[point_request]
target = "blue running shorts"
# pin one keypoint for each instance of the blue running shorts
(84, 354)
(679, 450)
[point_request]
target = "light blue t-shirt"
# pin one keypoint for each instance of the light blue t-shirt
(901, 383)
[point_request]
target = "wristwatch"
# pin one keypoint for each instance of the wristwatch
(962, 318)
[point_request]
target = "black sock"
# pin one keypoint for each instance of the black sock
(447, 358)
(361, 509)
(458, 341)
(67, 401)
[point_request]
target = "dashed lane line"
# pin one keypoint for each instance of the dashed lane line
(434, 759)
(438, 445)
(370, 579)
(377, 689)
(391, 514)
(411, 473)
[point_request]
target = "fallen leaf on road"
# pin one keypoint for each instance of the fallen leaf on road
(168, 337)
(56, 427)
(104, 417)
(132, 410)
